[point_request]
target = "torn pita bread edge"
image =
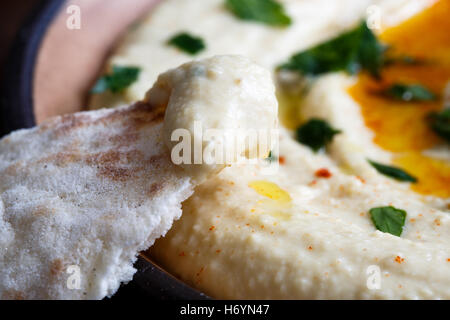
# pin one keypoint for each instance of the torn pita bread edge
(88, 191)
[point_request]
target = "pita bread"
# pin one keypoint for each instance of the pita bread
(89, 191)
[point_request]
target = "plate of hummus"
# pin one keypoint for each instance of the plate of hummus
(356, 201)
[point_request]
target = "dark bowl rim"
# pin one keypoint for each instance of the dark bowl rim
(17, 112)
(16, 107)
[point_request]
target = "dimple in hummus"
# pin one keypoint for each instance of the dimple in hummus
(366, 216)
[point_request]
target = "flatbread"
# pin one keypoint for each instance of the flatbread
(84, 192)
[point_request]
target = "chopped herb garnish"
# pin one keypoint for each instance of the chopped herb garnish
(187, 43)
(120, 78)
(316, 134)
(440, 123)
(351, 52)
(412, 92)
(392, 172)
(271, 157)
(388, 219)
(266, 11)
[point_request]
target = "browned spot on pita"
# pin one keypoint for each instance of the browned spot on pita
(67, 124)
(12, 169)
(62, 159)
(57, 267)
(43, 211)
(135, 117)
(13, 295)
(116, 174)
(125, 139)
(158, 160)
(145, 113)
(114, 164)
(154, 189)
(114, 157)
(72, 146)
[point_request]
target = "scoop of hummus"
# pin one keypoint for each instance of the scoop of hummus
(219, 111)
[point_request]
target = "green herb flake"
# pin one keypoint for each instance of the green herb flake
(271, 157)
(269, 12)
(393, 172)
(117, 81)
(316, 134)
(352, 51)
(412, 92)
(187, 43)
(388, 219)
(440, 123)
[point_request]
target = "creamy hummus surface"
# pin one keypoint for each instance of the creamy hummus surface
(294, 236)
(304, 232)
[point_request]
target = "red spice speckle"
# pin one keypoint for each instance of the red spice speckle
(212, 228)
(310, 248)
(282, 160)
(448, 260)
(200, 271)
(182, 254)
(399, 259)
(361, 179)
(323, 173)
(218, 251)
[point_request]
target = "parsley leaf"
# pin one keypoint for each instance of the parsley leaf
(187, 43)
(388, 219)
(316, 133)
(120, 78)
(412, 92)
(352, 51)
(392, 172)
(266, 11)
(440, 123)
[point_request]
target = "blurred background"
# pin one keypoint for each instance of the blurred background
(52, 67)
(12, 15)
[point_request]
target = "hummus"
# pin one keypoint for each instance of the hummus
(306, 232)
(318, 242)
(221, 96)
